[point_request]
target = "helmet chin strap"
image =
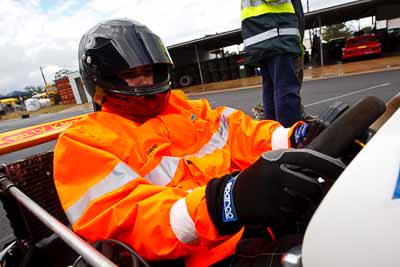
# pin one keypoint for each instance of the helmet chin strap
(99, 95)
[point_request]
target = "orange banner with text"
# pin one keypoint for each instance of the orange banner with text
(34, 135)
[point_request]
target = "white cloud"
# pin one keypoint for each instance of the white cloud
(46, 33)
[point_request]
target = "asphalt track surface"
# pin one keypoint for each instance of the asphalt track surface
(317, 95)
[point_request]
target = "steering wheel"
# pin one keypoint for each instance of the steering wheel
(336, 138)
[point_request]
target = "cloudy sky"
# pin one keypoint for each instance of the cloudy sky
(46, 33)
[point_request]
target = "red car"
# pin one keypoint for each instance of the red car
(364, 45)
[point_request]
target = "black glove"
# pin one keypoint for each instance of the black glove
(313, 126)
(276, 186)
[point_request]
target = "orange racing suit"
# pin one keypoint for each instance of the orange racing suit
(144, 184)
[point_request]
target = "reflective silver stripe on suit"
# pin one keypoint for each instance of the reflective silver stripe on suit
(181, 223)
(280, 138)
(254, 3)
(117, 178)
(289, 31)
(219, 139)
(162, 174)
(277, 2)
(165, 171)
(270, 34)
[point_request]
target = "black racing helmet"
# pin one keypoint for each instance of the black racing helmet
(116, 46)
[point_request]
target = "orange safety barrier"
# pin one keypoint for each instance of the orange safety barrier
(26, 137)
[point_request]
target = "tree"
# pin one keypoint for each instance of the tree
(34, 89)
(336, 31)
(30, 88)
(40, 89)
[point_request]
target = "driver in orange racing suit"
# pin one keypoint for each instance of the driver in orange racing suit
(154, 170)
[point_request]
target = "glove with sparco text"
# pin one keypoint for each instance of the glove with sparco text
(313, 126)
(279, 185)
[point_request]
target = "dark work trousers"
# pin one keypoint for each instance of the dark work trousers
(281, 90)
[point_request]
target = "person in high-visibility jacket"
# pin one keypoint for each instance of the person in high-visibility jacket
(154, 170)
(272, 40)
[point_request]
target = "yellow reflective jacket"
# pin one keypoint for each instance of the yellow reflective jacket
(145, 184)
(269, 28)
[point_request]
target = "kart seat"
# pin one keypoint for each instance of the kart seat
(34, 177)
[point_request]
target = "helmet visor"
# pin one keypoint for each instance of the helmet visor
(140, 81)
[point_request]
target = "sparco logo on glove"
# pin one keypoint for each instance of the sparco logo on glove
(228, 212)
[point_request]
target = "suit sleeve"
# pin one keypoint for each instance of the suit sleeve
(249, 138)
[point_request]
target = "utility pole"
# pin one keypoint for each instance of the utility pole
(199, 66)
(321, 47)
(44, 79)
(309, 30)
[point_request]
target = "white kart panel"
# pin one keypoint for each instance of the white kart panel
(358, 222)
